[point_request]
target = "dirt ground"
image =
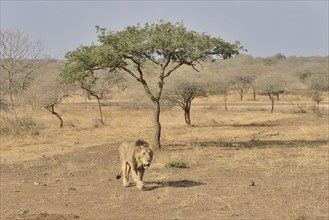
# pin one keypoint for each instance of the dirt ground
(241, 165)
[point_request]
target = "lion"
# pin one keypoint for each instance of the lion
(135, 157)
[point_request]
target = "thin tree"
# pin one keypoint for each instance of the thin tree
(220, 86)
(47, 92)
(165, 45)
(85, 71)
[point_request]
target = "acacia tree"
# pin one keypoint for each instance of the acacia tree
(167, 46)
(47, 91)
(242, 82)
(85, 70)
(220, 86)
(20, 57)
(182, 93)
(317, 83)
(52, 95)
(271, 85)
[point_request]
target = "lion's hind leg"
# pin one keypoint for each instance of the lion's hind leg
(125, 174)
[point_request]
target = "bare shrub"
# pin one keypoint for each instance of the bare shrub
(20, 57)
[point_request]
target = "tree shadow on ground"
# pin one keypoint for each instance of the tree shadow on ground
(174, 184)
(262, 143)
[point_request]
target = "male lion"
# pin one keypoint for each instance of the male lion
(135, 156)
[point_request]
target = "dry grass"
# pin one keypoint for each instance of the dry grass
(245, 164)
(211, 125)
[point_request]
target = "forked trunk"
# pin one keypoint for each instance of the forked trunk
(187, 114)
(51, 109)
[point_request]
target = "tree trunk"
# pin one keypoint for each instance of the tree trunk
(10, 85)
(51, 109)
(157, 125)
(187, 114)
(278, 96)
(100, 110)
(225, 101)
(272, 101)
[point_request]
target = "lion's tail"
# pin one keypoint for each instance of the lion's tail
(119, 175)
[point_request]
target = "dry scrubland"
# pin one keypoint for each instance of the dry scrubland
(245, 163)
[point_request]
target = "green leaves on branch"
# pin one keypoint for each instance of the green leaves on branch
(84, 61)
(163, 43)
(166, 45)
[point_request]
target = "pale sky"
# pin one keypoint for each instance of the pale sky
(264, 28)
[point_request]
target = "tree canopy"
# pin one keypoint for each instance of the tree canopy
(165, 45)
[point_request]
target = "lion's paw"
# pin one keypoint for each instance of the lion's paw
(139, 185)
(126, 184)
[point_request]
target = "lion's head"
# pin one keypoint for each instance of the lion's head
(144, 154)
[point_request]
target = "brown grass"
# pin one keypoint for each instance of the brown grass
(242, 163)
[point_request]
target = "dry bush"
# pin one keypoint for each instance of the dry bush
(19, 126)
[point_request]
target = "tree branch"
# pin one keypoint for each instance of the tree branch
(131, 73)
(173, 69)
(142, 81)
(152, 59)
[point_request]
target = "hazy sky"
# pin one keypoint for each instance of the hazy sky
(263, 27)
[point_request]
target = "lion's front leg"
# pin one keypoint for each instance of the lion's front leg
(141, 174)
(137, 179)
(125, 174)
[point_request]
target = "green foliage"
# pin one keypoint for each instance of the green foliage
(162, 44)
(269, 62)
(177, 164)
(166, 45)
(273, 60)
(80, 65)
(166, 40)
(304, 75)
